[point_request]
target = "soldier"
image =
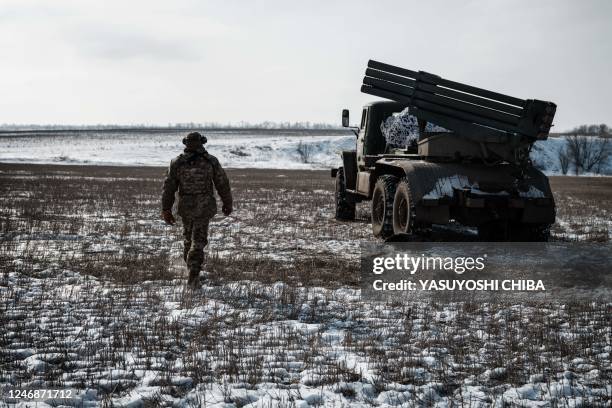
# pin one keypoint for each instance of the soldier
(193, 174)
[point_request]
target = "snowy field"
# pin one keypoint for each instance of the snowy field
(92, 299)
(236, 149)
(271, 149)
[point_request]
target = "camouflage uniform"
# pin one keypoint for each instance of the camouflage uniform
(193, 174)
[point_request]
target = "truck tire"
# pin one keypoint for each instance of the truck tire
(345, 208)
(403, 209)
(382, 206)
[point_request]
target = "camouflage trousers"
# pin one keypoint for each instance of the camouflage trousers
(195, 235)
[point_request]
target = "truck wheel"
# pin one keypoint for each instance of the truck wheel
(382, 206)
(403, 211)
(345, 208)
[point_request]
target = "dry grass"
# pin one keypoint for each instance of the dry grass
(584, 208)
(91, 297)
(104, 221)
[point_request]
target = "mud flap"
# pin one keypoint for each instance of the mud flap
(349, 160)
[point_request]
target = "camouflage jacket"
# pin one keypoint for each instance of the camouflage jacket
(193, 174)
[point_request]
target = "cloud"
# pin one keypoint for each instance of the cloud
(122, 43)
(22, 11)
(188, 60)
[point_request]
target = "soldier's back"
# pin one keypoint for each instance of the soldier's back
(195, 175)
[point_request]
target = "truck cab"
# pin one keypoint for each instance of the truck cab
(370, 146)
(370, 140)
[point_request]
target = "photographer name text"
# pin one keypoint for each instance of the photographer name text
(460, 285)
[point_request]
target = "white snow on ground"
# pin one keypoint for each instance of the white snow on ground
(243, 344)
(234, 150)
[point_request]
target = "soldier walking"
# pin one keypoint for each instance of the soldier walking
(193, 174)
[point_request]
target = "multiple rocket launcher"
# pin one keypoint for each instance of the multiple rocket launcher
(474, 114)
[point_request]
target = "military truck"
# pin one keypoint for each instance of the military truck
(477, 173)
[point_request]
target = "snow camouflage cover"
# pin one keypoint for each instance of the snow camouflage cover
(402, 129)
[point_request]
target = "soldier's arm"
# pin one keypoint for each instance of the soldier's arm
(222, 183)
(170, 186)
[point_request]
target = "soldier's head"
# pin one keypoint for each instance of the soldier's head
(194, 140)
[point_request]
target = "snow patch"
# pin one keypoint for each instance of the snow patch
(444, 186)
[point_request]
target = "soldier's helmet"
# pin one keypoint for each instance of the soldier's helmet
(194, 137)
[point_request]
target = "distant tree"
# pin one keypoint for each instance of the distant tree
(591, 130)
(564, 159)
(603, 130)
(587, 153)
(304, 151)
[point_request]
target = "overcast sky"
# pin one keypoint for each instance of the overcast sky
(155, 62)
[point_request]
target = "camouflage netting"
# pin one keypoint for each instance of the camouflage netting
(401, 129)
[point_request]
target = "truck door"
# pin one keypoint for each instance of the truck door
(361, 139)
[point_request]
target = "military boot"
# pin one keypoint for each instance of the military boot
(194, 278)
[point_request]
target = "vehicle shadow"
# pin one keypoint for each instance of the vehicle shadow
(439, 233)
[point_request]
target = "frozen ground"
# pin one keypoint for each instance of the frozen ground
(249, 344)
(91, 298)
(235, 149)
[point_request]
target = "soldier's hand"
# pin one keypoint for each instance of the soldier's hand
(168, 217)
(227, 209)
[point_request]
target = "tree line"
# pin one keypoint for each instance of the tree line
(586, 154)
(601, 130)
(181, 125)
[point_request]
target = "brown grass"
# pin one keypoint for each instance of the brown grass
(98, 228)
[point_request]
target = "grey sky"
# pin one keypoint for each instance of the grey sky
(73, 62)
